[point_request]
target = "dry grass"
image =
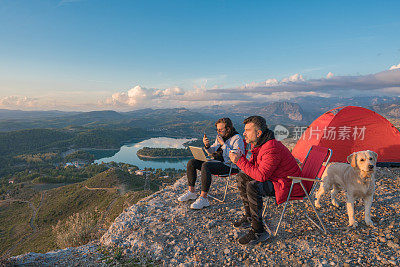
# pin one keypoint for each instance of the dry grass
(76, 230)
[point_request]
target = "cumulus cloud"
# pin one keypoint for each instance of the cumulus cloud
(277, 96)
(268, 82)
(361, 83)
(274, 82)
(269, 90)
(294, 78)
(140, 97)
(133, 97)
(395, 67)
(18, 102)
(169, 92)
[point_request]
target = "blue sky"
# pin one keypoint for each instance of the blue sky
(124, 55)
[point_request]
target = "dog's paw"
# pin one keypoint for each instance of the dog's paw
(353, 224)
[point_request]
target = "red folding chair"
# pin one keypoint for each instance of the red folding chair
(312, 169)
(228, 178)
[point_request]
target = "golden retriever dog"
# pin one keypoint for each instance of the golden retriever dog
(357, 179)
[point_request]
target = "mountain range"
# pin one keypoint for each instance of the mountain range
(299, 111)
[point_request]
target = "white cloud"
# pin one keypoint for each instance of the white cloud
(67, 101)
(139, 97)
(268, 82)
(169, 92)
(371, 82)
(274, 82)
(294, 78)
(395, 67)
(276, 96)
(136, 96)
(329, 75)
(18, 102)
(268, 90)
(385, 82)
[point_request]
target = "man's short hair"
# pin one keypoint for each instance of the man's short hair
(258, 121)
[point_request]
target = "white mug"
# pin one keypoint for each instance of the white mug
(236, 151)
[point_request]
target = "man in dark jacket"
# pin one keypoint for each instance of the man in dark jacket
(265, 174)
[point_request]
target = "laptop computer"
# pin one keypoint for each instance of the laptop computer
(198, 153)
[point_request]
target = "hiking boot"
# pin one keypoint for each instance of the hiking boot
(252, 238)
(200, 203)
(242, 223)
(188, 196)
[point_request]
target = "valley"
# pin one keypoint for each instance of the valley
(39, 193)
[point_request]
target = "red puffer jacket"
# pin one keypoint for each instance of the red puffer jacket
(273, 161)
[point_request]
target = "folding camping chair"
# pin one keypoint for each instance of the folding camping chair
(228, 178)
(312, 169)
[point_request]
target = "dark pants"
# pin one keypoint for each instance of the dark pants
(207, 168)
(252, 192)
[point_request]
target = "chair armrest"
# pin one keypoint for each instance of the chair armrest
(304, 179)
(226, 175)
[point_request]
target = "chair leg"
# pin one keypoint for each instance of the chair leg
(226, 187)
(263, 214)
(312, 205)
(225, 192)
(310, 219)
(284, 208)
(265, 206)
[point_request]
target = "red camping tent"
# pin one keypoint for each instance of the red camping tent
(349, 129)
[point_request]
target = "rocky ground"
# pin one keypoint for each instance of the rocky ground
(158, 230)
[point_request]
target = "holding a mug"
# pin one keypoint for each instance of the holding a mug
(235, 154)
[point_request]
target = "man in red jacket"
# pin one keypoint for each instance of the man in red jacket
(265, 174)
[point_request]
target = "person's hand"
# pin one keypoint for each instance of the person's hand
(220, 140)
(235, 155)
(206, 141)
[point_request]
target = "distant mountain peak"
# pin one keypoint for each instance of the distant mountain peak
(286, 109)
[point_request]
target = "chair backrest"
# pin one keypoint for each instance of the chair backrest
(315, 163)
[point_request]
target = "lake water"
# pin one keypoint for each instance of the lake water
(127, 154)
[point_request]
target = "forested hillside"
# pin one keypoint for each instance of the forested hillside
(164, 152)
(36, 220)
(42, 140)
(33, 140)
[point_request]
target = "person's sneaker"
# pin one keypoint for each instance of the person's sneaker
(200, 203)
(252, 238)
(242, 223)
(187, 196)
